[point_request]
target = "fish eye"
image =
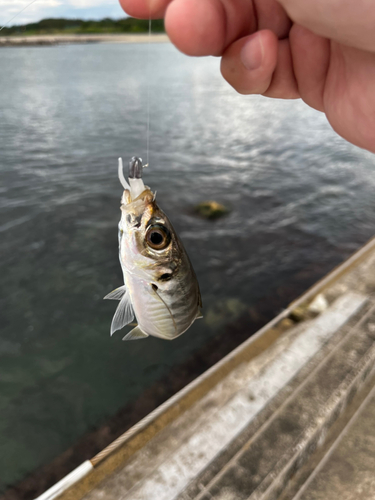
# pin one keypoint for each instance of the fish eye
(158, 237)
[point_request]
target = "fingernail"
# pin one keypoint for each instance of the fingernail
(252, 53)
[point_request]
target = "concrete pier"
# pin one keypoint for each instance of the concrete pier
(288, 415)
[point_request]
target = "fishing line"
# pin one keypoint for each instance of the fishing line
(148, 91)
(18, 13)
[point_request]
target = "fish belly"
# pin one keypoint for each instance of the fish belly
(163, 313)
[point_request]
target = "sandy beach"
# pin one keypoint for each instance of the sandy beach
(21, 41)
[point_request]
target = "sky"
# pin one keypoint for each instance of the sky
(40, 9)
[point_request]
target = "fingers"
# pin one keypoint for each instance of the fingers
(283, 84)
(248, 64)
(145, 9)
(207, 27)
(348, 22)
(311, 54)
(271, 16)
(260, 64)
(196, 27)
(349, 95)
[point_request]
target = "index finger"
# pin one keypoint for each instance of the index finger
(145, 9)
(199, 27)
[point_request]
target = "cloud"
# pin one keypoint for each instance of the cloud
(40, 9)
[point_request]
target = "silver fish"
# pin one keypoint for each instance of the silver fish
(160, 287)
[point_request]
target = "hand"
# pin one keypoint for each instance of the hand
(320, 50)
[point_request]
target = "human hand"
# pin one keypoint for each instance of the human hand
(320, 50)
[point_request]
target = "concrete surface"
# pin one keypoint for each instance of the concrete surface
(347, 472)
(289, 415)
(247, 437)
(18, 41)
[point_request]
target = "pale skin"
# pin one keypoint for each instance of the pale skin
(322, 51)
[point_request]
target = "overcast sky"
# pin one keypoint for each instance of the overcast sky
(40, 9)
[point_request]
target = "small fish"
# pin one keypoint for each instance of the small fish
(160, 287)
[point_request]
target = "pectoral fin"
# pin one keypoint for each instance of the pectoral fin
(116, 294)
(135, 334)
(124, 313)
(199, 314)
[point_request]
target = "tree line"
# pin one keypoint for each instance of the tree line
(78, 26)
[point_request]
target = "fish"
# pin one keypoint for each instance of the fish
(161, 290)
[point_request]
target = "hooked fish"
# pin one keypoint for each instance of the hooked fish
(160, 288)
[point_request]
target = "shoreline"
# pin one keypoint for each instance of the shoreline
(37, 40)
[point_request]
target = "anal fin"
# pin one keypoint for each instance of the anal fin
(199, 315)
(135, 334)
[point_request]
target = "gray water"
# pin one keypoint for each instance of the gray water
(301, 200)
